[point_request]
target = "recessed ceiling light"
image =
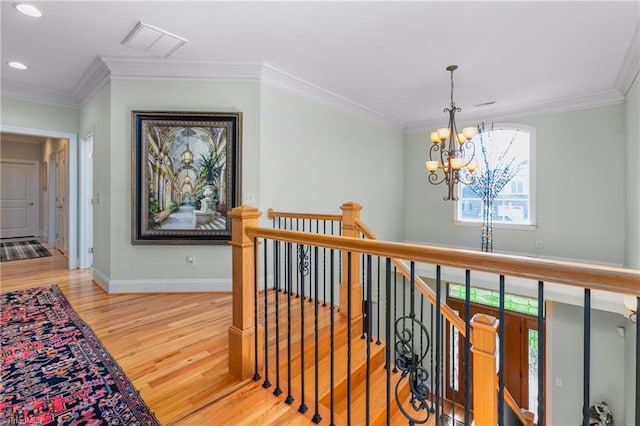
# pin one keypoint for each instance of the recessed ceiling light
(17, 65)
(27, 9)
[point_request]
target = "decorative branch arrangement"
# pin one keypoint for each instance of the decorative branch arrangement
(491, 176)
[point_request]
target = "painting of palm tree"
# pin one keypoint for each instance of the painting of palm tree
(186, 176)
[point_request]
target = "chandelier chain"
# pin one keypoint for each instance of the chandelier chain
(452, 103)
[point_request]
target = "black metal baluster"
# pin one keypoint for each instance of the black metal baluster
(586, 365)
(298, 275)
(395, 309)
(365, 296)
(303, 407)
(467, 348)
(349, 338)
(501, 355)
(324, 268)
(431, 375)
(541, 403)
(316, 416)
(404, 296)
(438, 345)
(637, 359)
(421, 322)
(266, 382)
(332, 360)
(276, 272)
(369, 327)
(451, 329)
(378, 342)
(289, 398)
(387, 348)
(256, 375)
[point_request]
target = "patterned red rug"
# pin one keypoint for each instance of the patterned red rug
(55, 371)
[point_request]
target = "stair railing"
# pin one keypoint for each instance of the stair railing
(245, 336)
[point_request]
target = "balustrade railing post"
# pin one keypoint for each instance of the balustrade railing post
(351, 214)
(242, 348)
(485, 379)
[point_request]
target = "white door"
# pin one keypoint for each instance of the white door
(18, 199)
(61, 200)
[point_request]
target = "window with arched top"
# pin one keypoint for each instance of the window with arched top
(505, 155)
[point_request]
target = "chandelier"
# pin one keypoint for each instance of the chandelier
(451, 151)
(187, 156)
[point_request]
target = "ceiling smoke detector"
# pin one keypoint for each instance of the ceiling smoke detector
(153, 40)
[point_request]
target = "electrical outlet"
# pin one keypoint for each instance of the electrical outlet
(249, 199)
(191, 261)
(538, 244)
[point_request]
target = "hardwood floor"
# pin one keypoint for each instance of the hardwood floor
(173, 347)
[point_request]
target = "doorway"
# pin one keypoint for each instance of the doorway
(72, 183)
(61, 204)
(86, 202)
(520, 352)
(19, 207)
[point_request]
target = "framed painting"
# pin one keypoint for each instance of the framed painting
(185, 176)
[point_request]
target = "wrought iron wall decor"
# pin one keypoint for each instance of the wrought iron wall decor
(185, 176)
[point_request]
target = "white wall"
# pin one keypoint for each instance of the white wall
(565, 337)
(580, 191)
(632, 258)
(149, 262)
(314, 158)
(36, 115)
(95, 116)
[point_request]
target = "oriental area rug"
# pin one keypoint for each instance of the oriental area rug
(55, 371)
(19, 250)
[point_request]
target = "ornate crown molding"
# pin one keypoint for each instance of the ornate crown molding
(554, 106)
(630, 65)
(27, 92)
(96, 76)
(275, 76)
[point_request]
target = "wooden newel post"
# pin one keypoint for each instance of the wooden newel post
(351, 213)
(242, 332)
(485, 379)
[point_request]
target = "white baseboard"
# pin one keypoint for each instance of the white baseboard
(161, 285)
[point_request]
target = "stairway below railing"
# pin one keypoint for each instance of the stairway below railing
(385, 313)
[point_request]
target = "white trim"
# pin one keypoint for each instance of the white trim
(101, 280)
(274, 76)
(85, 195)
(27, 92)
(161, 285)
(96, 76)
(630, 65)
(73, 181)
(169, 69)
(511, 112)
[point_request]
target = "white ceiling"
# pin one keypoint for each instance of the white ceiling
(389, 57)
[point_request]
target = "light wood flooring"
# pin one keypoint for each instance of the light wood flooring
(173, 347)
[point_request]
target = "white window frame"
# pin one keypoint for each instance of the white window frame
(532, 184)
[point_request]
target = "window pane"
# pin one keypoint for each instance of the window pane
(503, 147)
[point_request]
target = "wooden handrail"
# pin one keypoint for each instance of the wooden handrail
(526, 417)
(314, 216)
(617, 280)
(449, 313)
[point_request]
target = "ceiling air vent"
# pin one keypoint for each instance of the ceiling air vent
(153, 40)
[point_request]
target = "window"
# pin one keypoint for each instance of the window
(511, 146)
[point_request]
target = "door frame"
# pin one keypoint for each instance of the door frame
(86, 195)
(38, 191)
(72, 158)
